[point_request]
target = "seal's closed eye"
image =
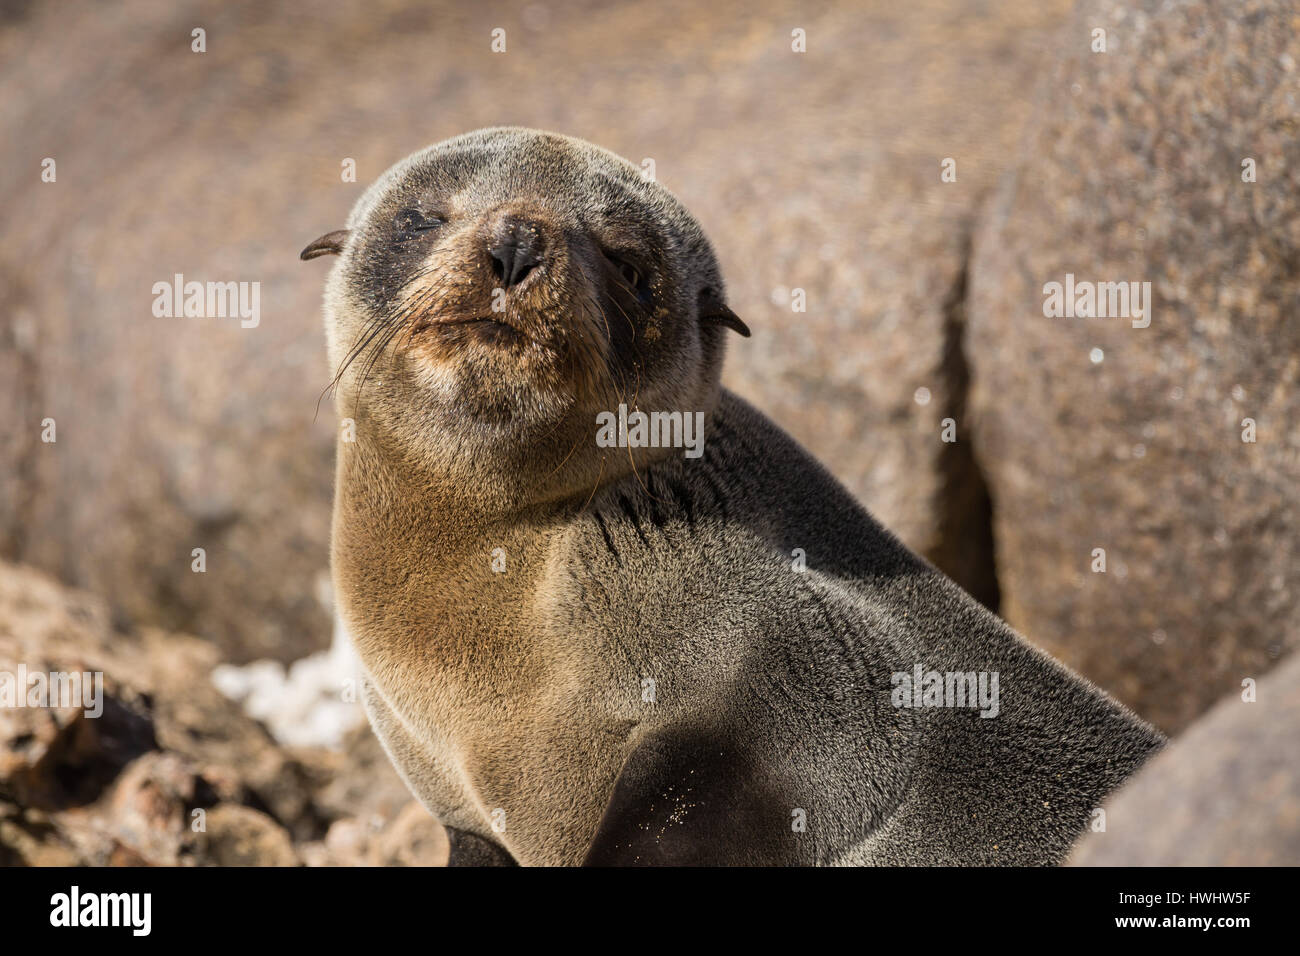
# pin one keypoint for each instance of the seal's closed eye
(330, 244)
(411, 222)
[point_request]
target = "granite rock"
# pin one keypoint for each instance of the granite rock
(1096, 433)
(165, 770)
(1225, 793)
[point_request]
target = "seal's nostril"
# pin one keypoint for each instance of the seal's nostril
(516, 250)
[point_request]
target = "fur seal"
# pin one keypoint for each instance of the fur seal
(583, 652)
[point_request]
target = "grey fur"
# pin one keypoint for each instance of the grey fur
(656, 678)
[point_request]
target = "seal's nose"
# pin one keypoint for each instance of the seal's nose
(517, 247)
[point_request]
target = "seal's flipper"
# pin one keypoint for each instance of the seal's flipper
(468, 849)
(686, 798)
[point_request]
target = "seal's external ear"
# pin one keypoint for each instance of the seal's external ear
(713, 309)
(330, 244)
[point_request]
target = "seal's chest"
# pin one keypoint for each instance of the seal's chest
(532, 775)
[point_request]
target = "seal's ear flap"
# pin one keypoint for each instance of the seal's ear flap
(330, 244)
(713, 309)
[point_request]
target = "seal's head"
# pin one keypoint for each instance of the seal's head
(497, 291)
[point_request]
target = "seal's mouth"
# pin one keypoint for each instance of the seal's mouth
(487, 328)
(497, 331)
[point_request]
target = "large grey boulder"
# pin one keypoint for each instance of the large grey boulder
(1095, 434)
(1225, 793)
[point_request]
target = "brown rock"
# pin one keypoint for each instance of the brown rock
(146, 808)
(52, 755)
(411, 838)
(1225, 793)
(376, 823)
(28, 838)
(1134, 173)
(414, 839)
(240, 836)
(173, 773)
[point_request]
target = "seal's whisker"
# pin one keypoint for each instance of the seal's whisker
(376, 352)
(351, 356)
(631, 324)
(589, 304)
(600, 475)
(630, 459)
(566, 457)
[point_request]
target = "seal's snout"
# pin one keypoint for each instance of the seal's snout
(517, 246)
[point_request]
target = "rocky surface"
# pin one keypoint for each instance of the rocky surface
(1095, 434)
(172, 772)
(816, 171)
(1225, 793)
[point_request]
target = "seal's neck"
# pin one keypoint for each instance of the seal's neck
(414, 564)
(386, 506)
